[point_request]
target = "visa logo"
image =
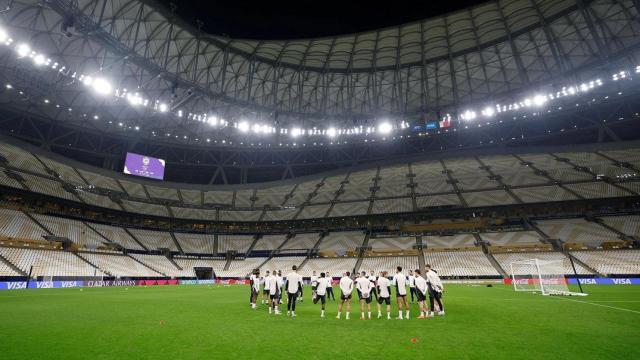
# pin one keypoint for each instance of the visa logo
(16, 285)
(621, 281)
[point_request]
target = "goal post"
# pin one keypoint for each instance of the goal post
(544, 276)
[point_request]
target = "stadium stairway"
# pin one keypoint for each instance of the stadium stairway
(557, 245)
(361, 251)
(37, 223)
(256, 238)
(107, 241)
(622, 235)
(312, 250)
(175, 241)
(170, 258)
(145, 265)
(13, 267)
(489, 256)
(92, 264)
(136, 240)
(421, 262)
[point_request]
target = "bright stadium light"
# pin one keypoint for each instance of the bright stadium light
(385, 128)
(488, 111)
(243, 126)
(295, 132)
(539, 100)
(23, 50)
(331, 132)
(3, 35)
(468, 115)
(213, 120)
(39, 59)
(101, 86)
(163, 107)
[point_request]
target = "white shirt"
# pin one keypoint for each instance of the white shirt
(314, 280)
(421, 284)
(346, 285)
(279, 281)
(412, 281)
(266, 282)
(294, 280)
(372, 278)
(329, 281)
(271, 283)
(364, 286)
(255, 282)
(400, 282)
(322, 286)
(383, 284)
(434, 280)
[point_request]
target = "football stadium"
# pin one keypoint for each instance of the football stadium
(218, 180)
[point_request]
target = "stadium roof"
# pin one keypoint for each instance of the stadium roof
(495, 52)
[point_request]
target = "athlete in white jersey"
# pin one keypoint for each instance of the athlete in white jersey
(274, 292)
(421, 293)
(294, 287)
(384, 293)
(400, 282)
(373, 280)
(265, 291)
(412, 285)
(254, 281)
(314, 284)
(364, 293)
(435, 290)
(346, 288)
(321, 292)
(330, 288)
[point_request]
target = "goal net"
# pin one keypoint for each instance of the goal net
(544, 276)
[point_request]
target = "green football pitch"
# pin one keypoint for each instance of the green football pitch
(215, 322)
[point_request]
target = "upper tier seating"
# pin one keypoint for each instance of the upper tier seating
(270, 242)
(154, 240)
(117, 235)
(241, 268)
(453, 241)
(577, 231)
(196, 243)
(239, 243)
(342, 241)
(302, 241)
(629, 225)
(15, 224)
(74, 230)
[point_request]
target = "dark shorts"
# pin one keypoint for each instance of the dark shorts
(434, 294)
(386, 300)
(420, 295)
(321, 298)
(266, 292)
(361, 297)
(400, 295)
(345, 296)
(314, 287)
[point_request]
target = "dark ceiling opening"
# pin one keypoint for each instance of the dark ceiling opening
(267, 20)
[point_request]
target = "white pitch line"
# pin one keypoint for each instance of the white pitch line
(607, 306)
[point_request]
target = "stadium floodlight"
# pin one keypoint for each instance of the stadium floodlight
(243, 126)
(39, 59)
(163, 107)
(488, 111)
(101, 86)
(3, 35)
(468, 115)
(213, 120)
(295, 132)
(384, 128)
(539, 100)
(23, 50)
(331, 132)
(134, 99)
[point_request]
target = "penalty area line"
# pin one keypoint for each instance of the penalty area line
(602, 305)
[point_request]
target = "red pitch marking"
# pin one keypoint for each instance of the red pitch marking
(414, 340)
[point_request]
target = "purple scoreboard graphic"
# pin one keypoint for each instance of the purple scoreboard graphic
(145, 166)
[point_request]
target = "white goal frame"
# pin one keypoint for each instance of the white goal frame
(544, 281)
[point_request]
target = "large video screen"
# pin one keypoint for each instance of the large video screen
(145, 166)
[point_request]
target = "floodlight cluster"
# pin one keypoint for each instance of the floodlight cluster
(99, 85)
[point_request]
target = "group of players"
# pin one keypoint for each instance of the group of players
(368, 287)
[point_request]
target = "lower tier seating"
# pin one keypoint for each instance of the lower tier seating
(621, 262)
(506, 259)
(462, 263)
